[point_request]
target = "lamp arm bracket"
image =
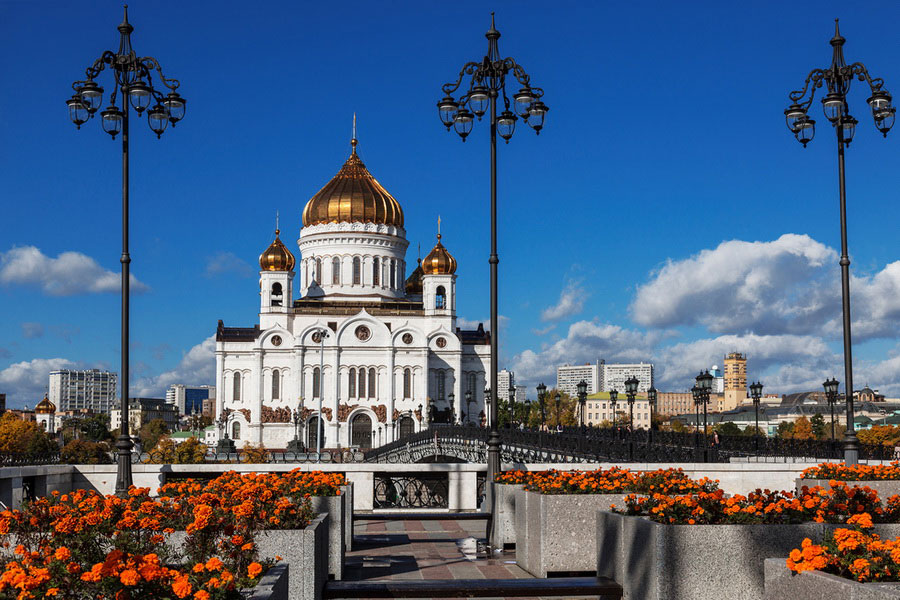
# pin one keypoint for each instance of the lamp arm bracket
(150, 64)
(862, 73)
(813, 81)
(468, 69)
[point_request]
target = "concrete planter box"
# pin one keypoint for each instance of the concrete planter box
(347, 493)
(304, 551)
(505, 518)
(335, 527)
(782, 583)
(272, 586)
(557, 534)
(885, 487)
(653, 561)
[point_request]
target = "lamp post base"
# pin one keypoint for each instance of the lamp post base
(295, 446)
(226, 446)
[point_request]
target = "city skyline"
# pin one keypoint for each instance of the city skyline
(673, 238)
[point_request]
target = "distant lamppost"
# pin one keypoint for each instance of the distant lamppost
(582, 400)
(631, 386)
(837, 79)
(831, 394)
(512, 403)
(319, 335)
(756, 394)
(487, 83)
(226, 444)
(704, 382)
(558, 401)
(613, 398)
(452, 397)
(652, 395)
(542, 398)
(295, 445)
(133, 85)
(697, 394)
(488, 405)
(528, 413)
(469, 406)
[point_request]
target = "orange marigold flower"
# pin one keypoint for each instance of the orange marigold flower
(181, 586)
(214, 564)
(201, 595)
(130, 577)
(254, 570)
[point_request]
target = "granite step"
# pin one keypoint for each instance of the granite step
(557, 587)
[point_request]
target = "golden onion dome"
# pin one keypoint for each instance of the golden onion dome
(439, 261)
(353, 196)
(45, 407)
(277, 257)
(414, 281)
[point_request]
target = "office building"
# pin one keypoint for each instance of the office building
(505, 381)
(598, 410)
(569, 376)
(735, 380)
(614, 376)
(93, 390)
(189, 398)
(143, 410)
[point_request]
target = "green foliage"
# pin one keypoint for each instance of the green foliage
(85, 452)
(24, 437)
(93, 428)
(151, 432)
(784, 430)
(727, 428)
(190, 452)
(819, 427)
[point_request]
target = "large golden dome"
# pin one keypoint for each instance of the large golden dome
(277, 257)
(45, 407)
(439, 261)
(353, 196)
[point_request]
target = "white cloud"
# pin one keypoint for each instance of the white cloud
(222, 263)
(25, 383)
(68, 274)
(571, 302)
(32, 331)
(545, 330)
(197, 367)
(787, 286)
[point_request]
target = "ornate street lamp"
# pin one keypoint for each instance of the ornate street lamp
(226, 444)
(704, 382)
(652, 395)
(582, 400)
(697, 394)
(512, 403)
(295, 445)
(488, 404)
(837, 79)
(631, 386)
(558, 401)
(831, 394)
(613, 398)
(468, 406)
(528, 413)
(319, 336)
(134, 87)
(452, 397)
(542, 396)
(486, 83)
(756, 394)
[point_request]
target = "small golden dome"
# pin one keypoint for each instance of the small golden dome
(414, 281)
(353, 196)
(277, 257)
(439, 261)
(45, 407)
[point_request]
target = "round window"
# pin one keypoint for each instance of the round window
(363, 333)
(276, 340)
(407, 338)
(441, 342)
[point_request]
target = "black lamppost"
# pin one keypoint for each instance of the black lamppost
(487, 83)
(512, 403)
(831, 394)
(631, 386)
(582, 400)
(542, 397)
(451, 396)
(132, 84)
(295, 444)
(837, 79)
(704, 382)
(652, 395)
(756, 394)
(226, 444)
(697, 394)
(528, 413)
(558, 401)
(613, 398)
(469, 406)
(488, 405)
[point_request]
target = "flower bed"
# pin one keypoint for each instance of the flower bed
(85, 544)
(859, 472)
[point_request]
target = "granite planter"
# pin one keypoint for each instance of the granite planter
(505, 517)
(333, 506)
(653, 561)
(272, 586)
(303, 550)
(557, 533)
(885, 487)
(782, 583)
(347, 493)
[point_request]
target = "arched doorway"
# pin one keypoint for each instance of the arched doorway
(361, 431)
(312, 434)
(407, 426)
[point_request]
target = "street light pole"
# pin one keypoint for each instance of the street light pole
(756, 394)
(133, 80)
(322, 333)
(487, 81)
(837, 79)
(582, 400)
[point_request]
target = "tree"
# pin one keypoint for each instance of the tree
(887, 435)
(679, 427)
(802, 429)
(190, 452)
(818, 426)
(151, 432)
(727, 428)
(84, 452)
(24, 437)
(253, 454)
(784, 430)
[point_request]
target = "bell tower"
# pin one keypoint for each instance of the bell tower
(276, 278)
(439, 282)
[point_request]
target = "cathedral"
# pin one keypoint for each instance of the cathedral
(375, 354)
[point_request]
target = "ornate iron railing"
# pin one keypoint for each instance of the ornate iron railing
(19, 460)
(411, 490)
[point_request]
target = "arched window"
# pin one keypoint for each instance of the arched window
(312, 433)
(361, 431)
(276, 294)
(235, 431)
(372, 387)
(351, 384)
(440, 297)
(362, 383)
(393, 273)
(407, 426)
(276, 384)
(471, 384)
(441, 380)
(356, 270)
(407, 383)
(376, 271)
(317, 384)
(336, 271)
(318, 275)
(236, 390)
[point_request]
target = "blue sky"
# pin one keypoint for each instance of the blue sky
(665, 213)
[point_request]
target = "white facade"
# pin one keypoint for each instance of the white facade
(614, 376)
(569, 376)
(505, 380)
(92, 390)
(391, 354)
